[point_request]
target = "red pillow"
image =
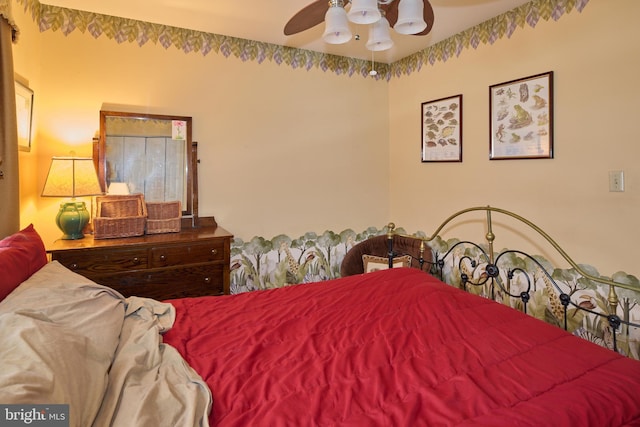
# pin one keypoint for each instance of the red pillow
(21, 255)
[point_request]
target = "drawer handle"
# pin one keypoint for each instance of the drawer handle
(163, 258)
(73, 266)
(214, 252)
(207, 280)
(136, 261)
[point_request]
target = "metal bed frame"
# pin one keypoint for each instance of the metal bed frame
(491, 278)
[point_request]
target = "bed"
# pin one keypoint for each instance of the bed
(392, 347)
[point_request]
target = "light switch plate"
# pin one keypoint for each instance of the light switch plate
(616, 181)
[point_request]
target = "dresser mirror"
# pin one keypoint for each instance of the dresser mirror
(149, 154)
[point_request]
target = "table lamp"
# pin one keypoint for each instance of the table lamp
(72, 177)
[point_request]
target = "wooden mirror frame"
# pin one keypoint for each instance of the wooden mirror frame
(190, 211)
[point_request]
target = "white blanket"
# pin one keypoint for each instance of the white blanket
(151, 388)
(67, 340)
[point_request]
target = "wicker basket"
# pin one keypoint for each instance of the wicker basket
(119, 216)
(163, 217)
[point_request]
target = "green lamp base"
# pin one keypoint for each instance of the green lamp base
(72, 218)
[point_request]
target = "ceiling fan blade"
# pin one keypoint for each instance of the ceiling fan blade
(308, 17)
(428, 17)
(391, 11)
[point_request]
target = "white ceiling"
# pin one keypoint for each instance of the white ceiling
(263, 20)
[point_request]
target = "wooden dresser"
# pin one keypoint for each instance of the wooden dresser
(193, 262)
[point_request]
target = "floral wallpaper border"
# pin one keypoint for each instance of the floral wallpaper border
(121, 30)
(265, 264)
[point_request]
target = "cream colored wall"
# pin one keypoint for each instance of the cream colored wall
(282, 150)
(595, 56)
(290, 151)
(27, 69)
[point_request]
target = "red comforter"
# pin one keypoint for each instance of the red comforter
(396, 348)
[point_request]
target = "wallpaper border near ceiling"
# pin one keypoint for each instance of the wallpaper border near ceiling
(123, 30)
(489, 31)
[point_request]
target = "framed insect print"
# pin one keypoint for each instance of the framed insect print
(442, 130)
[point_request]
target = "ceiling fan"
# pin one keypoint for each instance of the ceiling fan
(315, 13)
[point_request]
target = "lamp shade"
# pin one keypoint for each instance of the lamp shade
(118, 189)
(336, 25)
(379, 37)
(364, 12)
(410, 17)
(71, 177)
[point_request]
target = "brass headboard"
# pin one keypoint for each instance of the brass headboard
(481, 267)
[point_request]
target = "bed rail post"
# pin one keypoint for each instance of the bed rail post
(490, 236)
(612, 299)
(390, 232)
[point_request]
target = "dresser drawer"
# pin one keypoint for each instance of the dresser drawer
(96, 262)
(168, 283)
(166, 256)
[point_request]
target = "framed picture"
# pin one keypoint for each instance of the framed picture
(521, 115)
(24, 110)
(442, 130)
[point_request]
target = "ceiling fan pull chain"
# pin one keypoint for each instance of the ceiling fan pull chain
(373, 71)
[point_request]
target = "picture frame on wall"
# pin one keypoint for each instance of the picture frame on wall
(521, 118)
(442, 130)
(24, 112)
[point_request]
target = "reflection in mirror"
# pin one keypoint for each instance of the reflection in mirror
(149, 153)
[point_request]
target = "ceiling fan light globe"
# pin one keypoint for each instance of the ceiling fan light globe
(336, 30)
(379, 37)
(410, 17)
(364, 12)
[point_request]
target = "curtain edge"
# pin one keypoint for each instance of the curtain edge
(5, 13)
